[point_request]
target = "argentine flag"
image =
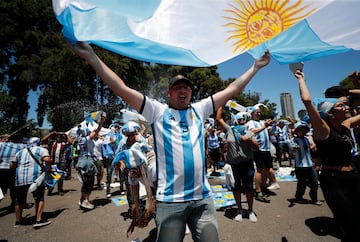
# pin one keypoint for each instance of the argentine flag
(209, 32)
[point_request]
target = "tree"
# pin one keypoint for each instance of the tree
(25, 25)
(5, 102)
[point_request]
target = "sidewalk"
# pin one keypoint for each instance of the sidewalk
(280, 220)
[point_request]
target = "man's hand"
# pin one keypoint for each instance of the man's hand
(262, 61)
(102, 117)
(82, 49)
(122, 165)
(299, 75)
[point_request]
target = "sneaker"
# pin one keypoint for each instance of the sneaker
(87, 205)
(317, 203)
(17, 224)
(42, 222)
(238, 217)
(108, 195)
(274, 186)
(252, 217)
(79, 203)
(260, 197)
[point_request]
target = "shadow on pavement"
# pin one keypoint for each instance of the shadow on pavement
(50, 193)
(230, 213)
(97, 202)
(323, 226)
(30, 220)
(101, 202)
(6, 211)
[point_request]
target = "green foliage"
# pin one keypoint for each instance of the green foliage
(347, 83)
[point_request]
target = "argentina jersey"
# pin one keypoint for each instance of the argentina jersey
(262, 137)
(27, 168)
(180, 150)
(132, 157)
(302, 155)
(7, 153)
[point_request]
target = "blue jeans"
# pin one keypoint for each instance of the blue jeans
(200, 216)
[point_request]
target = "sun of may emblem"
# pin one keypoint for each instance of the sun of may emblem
(254, 22)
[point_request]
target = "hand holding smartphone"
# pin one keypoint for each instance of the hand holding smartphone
(296, 66)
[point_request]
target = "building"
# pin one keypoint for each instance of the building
(287, 105)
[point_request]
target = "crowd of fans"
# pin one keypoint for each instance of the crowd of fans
(191, 146)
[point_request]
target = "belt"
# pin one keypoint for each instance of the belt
(338, 168)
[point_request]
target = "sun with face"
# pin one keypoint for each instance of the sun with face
(254, 22)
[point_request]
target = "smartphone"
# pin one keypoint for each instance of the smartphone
(296, 66)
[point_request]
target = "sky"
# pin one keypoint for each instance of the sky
(274, 79)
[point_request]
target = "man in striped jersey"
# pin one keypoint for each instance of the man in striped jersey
(262, 157)
(7, 154)
(183, 192)
(27, 171)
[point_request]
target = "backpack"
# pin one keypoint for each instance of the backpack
(239, 152)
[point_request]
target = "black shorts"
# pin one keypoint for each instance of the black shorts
(243, 176)
(214, 154)
(7, 179)
(263, 160)
(22, 191)
(284, 148)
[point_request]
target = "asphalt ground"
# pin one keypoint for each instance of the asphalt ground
(281, 220)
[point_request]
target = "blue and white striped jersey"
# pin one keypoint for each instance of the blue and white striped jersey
(262, 137)
(302, 155)
(132, 157)
(180, 149)
(284, 134)
(8, 151)
(27, 168)
(213, 141)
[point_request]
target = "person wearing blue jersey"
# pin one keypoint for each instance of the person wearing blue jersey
(27, 171)
(284, 142)
(183, 192)
(132, 135)
(214, 148)
(262, 156)
(134, 160)
(86, 166)
(108, 152)
(8, 150)
(304, 166)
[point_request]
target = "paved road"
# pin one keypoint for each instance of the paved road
(280, 220)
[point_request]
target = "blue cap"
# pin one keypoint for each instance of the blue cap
(251, 109)
(130, 127)
(324, 105)
(301, 124)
